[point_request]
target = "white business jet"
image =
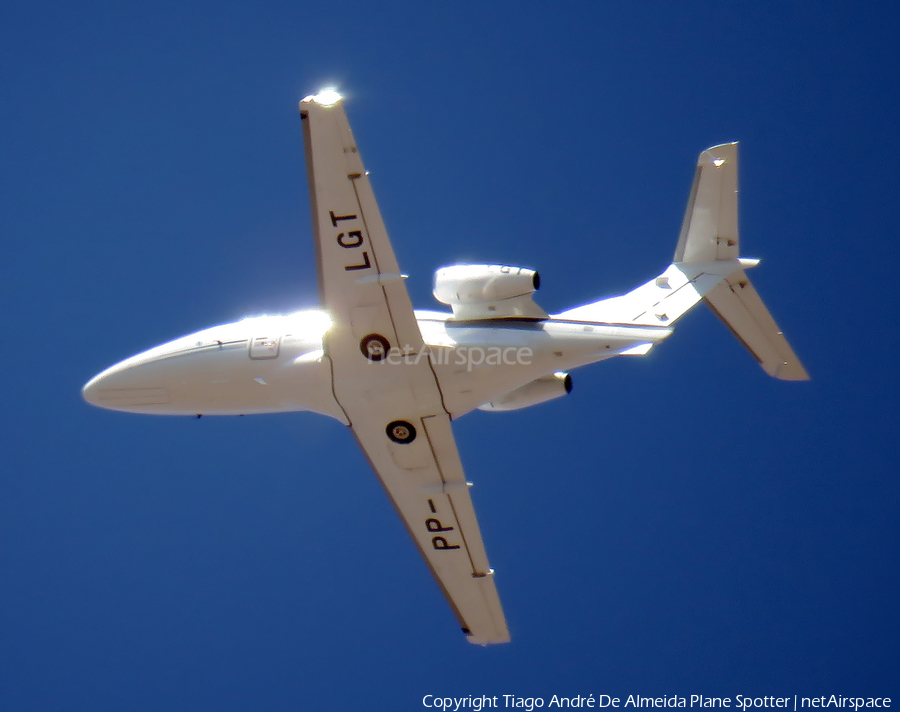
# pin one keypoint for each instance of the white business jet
(397, 377)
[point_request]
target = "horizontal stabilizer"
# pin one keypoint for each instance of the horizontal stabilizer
(737, 303)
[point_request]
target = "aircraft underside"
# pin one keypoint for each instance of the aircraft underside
(397, 377)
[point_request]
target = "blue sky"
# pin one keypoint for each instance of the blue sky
(681, 524)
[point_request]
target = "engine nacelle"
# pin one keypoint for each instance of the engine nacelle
(541, 390)
(477, 284)
(488, 291)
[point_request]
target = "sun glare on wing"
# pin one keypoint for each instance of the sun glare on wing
(326, 97)
(316, 320)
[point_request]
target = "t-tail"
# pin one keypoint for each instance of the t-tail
(707, 266)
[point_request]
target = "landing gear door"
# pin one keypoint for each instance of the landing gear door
(264, 347)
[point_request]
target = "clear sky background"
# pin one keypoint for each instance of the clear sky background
(681, 524)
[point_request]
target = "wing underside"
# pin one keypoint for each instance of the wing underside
(383, 381)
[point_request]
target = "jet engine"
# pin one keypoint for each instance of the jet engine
(541, 390)
(488, 291)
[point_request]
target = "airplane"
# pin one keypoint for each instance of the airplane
(398, 377)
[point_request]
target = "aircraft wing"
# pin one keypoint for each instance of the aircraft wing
(359, 279)
(382, 374)
(427, 486)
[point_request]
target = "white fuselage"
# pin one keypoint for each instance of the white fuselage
(274, 364)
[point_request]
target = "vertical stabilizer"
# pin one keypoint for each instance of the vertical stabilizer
(709, 231)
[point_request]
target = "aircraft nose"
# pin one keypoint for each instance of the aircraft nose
(90, 391)
(116, 389)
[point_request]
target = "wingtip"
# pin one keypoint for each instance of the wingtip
(326, 97)
(483, 640)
